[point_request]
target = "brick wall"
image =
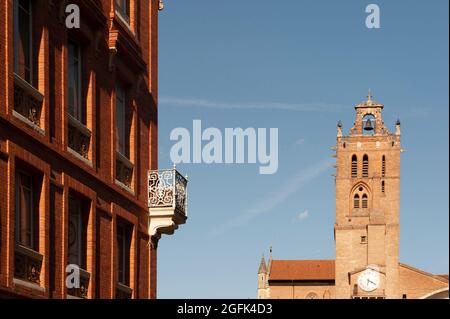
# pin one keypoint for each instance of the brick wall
(63, 172)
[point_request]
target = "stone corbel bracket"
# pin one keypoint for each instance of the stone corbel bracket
(164, 220)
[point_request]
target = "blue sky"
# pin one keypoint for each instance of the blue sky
(299, 66)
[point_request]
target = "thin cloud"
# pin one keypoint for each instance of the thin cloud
(303, 215)
(299, 180)
(300, 141)
(208, 104)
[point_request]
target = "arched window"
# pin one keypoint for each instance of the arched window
(364, 201)
(356, 201)
(360, 197)
(365, 168)
(382, 186)
(383, 166)
(354, 166)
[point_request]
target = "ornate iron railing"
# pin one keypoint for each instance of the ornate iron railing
(124, 170)
(82, 291)
(167, 188)
(123, 292)
(27, 100)
(27, 264)
(79, 137)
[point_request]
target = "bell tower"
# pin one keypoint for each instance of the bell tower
(367, 206)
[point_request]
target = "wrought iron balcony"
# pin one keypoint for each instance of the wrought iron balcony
(124, 170)
(27, 264)
(81, 292)
(123, 291)
(27, 101)
(79, 137)
(167, 200)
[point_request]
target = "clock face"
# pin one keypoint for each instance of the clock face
(369, 280)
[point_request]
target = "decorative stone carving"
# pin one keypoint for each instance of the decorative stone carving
(79, 137)
(27, 100)
(27, 264)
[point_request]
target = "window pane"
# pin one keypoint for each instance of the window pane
(120, 121)
(123, 252)
(120, 253)
(24, 210)
(123, 7)
(356, 201)
(364, 201)
(22, 39)
(75, 233)
(74, 85)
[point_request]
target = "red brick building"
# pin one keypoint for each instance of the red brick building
(78, 136)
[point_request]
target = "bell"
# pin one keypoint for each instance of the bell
(368, 126)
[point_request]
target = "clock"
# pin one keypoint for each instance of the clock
(369, 280)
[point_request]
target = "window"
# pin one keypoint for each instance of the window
(405, 296)
(123, 9)
(27, 259)
(360, 197)
(383, 186)
(356, 201)
(23, 39)
(77, 232)
(25, 210)
(383, 166)
(123, 253)
(354, 166)
(124, 123)
(363, 239)
(365, 169)
(75, 103)
(121, 121)
(364, 201)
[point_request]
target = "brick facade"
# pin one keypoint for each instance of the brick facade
(112, 52)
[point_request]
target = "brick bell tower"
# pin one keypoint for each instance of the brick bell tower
(367, 206)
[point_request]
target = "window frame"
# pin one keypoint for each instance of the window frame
(354, 166)
(81, 232)
(81, 109)
(16, 40)
(365, 166)
(18, 210)
(124, 13)
(356, 201)
(364, 201)
(123, 239)
(121, 135)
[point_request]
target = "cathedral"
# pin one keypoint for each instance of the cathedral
(366, 229)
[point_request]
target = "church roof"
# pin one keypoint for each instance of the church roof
(302, 270)
(442, 277)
